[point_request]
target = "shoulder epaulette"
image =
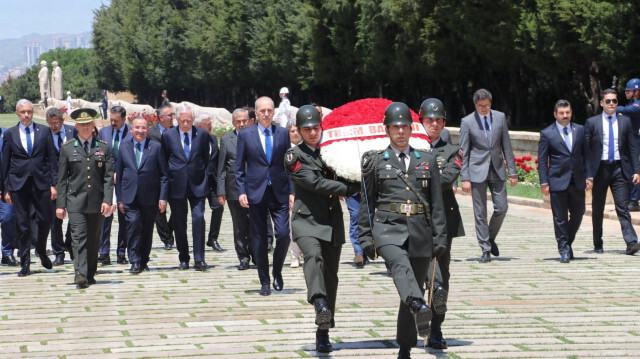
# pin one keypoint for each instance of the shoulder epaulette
(102, 141)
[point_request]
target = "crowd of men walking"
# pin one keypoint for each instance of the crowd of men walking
(403, 210)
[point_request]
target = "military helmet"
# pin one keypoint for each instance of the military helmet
(633, 84)
(432, 108)
(397, 114)
(307, 116)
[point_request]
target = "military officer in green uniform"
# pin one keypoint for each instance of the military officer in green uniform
(317, 225)
(402, 218)
(85, 192)
(449, 159)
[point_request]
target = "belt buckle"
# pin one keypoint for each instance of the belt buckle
(406, 209)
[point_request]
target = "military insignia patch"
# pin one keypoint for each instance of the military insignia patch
(296, 166)
(289, 157)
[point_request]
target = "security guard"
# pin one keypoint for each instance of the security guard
(632, 109)
(449, 159)
(402, 217)
(85, 191)
(317, 224)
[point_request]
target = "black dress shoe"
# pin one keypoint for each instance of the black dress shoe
(135, 268)
(10, 261)
(634, 206)
(122, 260)
(213, 243)
(440, 296)
(486, 257)
(145, 267)
(91, 280)
(81, 280)
(436, 341)
(323, 345)
(598, 250)
(183, 265)
(632, 249)
(494, 248)
(46, 262)
(200, 266)
(264, 290)
(167, 247)
(565, 258)
(59, 260)
(244, 265)
(104, 259)
(24, 271)
(323, 313)
(422, 316)
(404, 353)
(278, 283)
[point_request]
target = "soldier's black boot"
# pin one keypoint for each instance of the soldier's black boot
(404, 353)
(436, 340)
(323, 313)
(422, 316)
(439, 299)
(323, 345)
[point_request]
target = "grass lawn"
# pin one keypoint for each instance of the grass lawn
(523, 190)
(10, 119)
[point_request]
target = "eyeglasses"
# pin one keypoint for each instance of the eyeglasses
(611, 100)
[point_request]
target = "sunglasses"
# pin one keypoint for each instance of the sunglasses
(611, 100)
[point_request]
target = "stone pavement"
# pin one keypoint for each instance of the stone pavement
(524, 304)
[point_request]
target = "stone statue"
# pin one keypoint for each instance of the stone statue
(43, 79)
(56, 82)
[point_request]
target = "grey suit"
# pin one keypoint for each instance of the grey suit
(483, 165)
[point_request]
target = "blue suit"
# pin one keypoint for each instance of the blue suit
(29, 179)
(632, 109)
(253, 173)
(188, 181)
(139, 189)
(564, 170)
(106, 134)
(57, 242)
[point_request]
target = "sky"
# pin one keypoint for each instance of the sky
(22, 17)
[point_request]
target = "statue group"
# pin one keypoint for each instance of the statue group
(55, 91)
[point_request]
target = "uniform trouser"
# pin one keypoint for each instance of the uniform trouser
(164, 228)
(611, 175)
(321, 262)
(442, 276)
(29, 196)
(240, 222)
(57, 239)
(216, 216)
(409, 275)
(8, 228)
(487, 232)
(568, 209)
(85, 237)
(105, 237)
(353, 206)
(139, 231)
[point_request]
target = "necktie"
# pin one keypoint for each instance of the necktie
(29, 143)
(268, 146)
(567, 140)
(187, 150)
(403, 161)
(116, 144)
(611, 139)
(86, 148)
(59, 141)
(486, 127)
(138, 154)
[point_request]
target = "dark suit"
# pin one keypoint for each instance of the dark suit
(317, 225)
(253, 173)
(616, 175)
(216, 208)
(29, 179)
(57, 242)
(188, 181)
(139, 189)
(164, 227)
(226, 185)
(564, 170)
(406, 242)
(106, 135)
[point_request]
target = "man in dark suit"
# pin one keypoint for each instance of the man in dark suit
(402, 217)
(7, 223)
(114, 135)
(29, 177)
(227, 190)
(61, 133)
(612, 163)
(85, 181)
(485, 144)
(263, 187)
(165, 122)
(562, 157)
(203, 121)
(142, 190)
(187, 150)
(433, 117)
